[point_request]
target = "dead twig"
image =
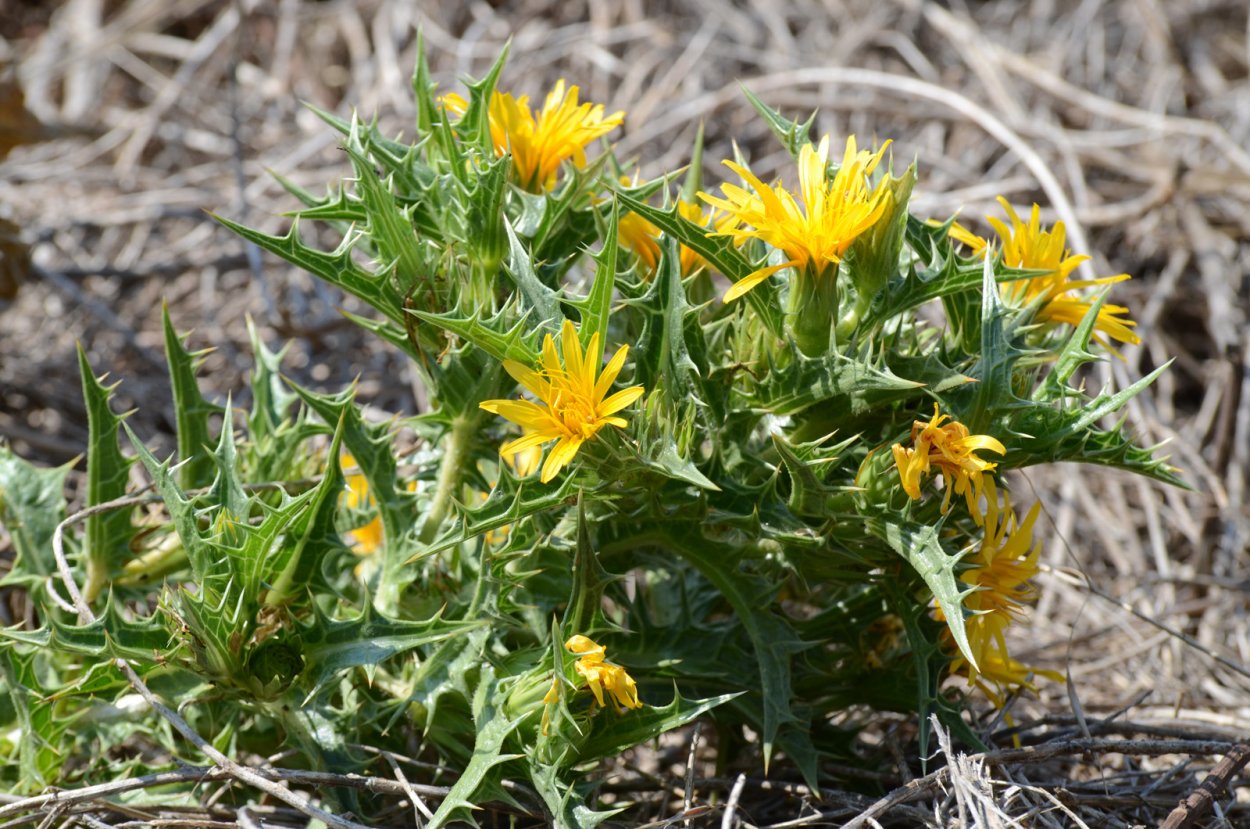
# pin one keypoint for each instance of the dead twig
(1213, 786)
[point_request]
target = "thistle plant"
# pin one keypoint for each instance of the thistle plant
(783, 497)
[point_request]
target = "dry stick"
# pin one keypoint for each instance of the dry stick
(687, 799)
(921, 787)
(211, 774)
(731, 806)
(243, 773)
(1213, 785)
(1084, 581)
(203, 48)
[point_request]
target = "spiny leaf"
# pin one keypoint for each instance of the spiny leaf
(309, 538)
(38, 753)
(32, 503)
(773, 639)
(598, 306)
(111, 634)
(792, 134)
(612, 735)
(542, 301)
(720, 251)
(482, 772)
(993, 391)
(370, 445)
(388, 226)
(332, 646)
(337, 268)
(191, 410)
(919, 546)
(562, 799)
(491, 334)
(108, 534)
(856, 386)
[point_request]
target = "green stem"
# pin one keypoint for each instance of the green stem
(455, 457)
(166, 558)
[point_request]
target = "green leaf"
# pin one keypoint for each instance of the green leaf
(337, 268)
(589, 577)
(114, 633)
(490, 334)
(475, 124)
(611, 735)
(562, 800)
(482, 774)
(388, 226)
(920, 546)
(107, 535)
(994, 390)
(191, 410)
(310, 538)
(537, 297)
(370, 445)
(331, 646)
(792, 134)
(598, 306)
(772, 637)
(41, 730)
(32, 503)
(856, 386)
(720, 251)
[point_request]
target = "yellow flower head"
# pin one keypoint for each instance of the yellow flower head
(815, 230)
(952, 450)
(540, 143)
(601, 675)
(573, 404)
(1029, 246)
(1002, 569)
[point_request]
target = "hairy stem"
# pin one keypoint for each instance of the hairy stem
(455, 455)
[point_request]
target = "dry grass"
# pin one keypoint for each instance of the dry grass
(1129, 119)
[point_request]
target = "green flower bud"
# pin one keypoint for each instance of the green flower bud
(873, 257)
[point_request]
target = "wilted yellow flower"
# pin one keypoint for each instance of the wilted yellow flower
(552, 697)
(1029, 246)
(952, 449)
(540, 144)
(815, 230)
(574, 407)
(601, 675)
(1002, 569)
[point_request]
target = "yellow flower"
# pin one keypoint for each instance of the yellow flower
(574, 407)
(1002, 569)
(540, 144)
(814, 231)
(952, 449)
(1029, 246)
(601, 675)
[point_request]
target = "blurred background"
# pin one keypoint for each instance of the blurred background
(124, 121)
